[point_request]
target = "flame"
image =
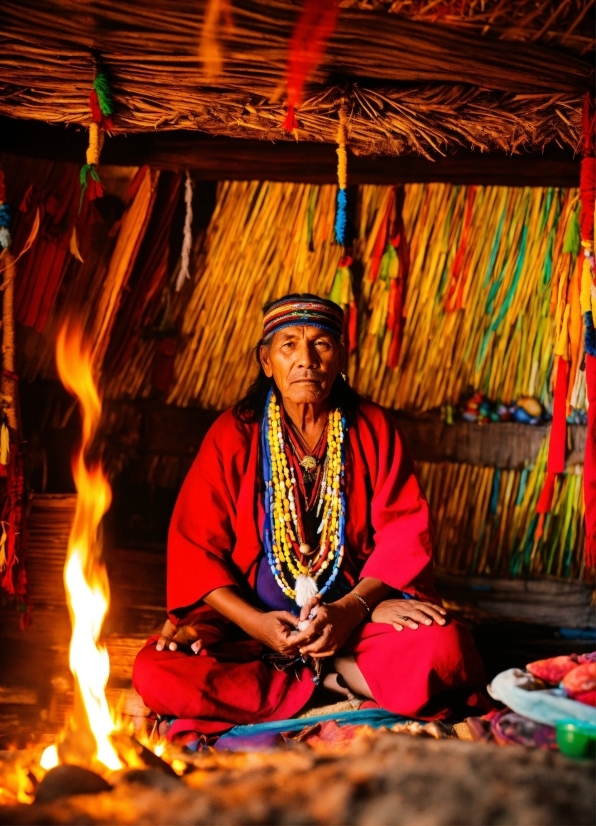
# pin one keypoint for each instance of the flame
(49, 759)
(85, 578)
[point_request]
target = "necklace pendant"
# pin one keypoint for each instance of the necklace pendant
(309, 466)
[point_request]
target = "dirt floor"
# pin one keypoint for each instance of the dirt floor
(380, 779)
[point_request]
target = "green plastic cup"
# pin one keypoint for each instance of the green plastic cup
(576, 739)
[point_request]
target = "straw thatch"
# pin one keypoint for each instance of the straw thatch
(484, 94)
(485, 520)
(257, 247)
(567, 23)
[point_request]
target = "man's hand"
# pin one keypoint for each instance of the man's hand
(331, 625)
(172, 636)
(276, 630)
(408, 613)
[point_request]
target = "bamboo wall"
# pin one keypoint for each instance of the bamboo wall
(484, 300)
(266, 239)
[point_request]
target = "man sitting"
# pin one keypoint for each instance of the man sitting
(300, 550)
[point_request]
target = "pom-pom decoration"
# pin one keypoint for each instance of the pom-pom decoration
(102, 102)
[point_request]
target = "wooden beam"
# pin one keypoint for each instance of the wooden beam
(214, 158)
(495, 444)
(551, 601)
(179, 431)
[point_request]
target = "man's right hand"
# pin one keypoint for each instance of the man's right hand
(275, 630)
(172, 636)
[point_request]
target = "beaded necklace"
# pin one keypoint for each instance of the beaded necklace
(296, 567)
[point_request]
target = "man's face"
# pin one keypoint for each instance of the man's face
(303, 362)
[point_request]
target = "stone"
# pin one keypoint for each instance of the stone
(65, 781)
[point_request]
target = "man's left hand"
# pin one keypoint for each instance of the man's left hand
(331, 626)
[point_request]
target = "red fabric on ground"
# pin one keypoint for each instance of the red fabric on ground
(215, 541)
(226, 685)
(406, 669)
(230, 685)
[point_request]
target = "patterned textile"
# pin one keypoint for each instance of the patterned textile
(300, 309)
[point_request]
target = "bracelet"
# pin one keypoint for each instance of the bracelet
(362, 600)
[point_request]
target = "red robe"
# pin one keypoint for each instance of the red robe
(214, 541)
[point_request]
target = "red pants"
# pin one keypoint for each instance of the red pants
(408, 672)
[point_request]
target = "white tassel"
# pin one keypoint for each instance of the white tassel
(183, 273)
(306, 589)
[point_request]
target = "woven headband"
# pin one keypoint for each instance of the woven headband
(294, 312)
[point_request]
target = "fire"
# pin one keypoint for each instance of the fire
(87, 738)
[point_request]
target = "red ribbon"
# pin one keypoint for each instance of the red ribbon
(587, 193)
(381, 240)
(557, 443)
(588, 125)
(458, 271)
(558, 432)
(312, 31)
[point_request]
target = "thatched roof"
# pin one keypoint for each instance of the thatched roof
(427, 87)
(564, 23)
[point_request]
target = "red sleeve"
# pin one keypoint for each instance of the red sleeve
(402, 555)
(202, 530)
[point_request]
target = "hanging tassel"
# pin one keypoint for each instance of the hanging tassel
(342, 291)
(341, 215)
(290, 123)
(90, 184)
(306, 589)
(313, 29)
(101, 104)
(558, 433)
(184, 273)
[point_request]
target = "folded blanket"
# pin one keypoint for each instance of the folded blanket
(517, 690)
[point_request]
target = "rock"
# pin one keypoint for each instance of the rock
(65, 781)
(151, 779)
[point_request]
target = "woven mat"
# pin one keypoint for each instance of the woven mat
(334, 708)
(462, 731)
